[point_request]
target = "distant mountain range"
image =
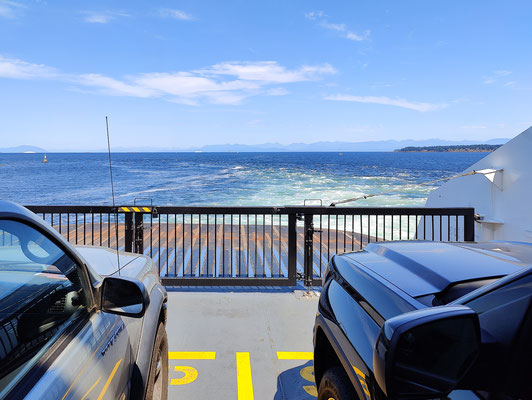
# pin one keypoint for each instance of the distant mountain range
(22, 149)
(384, 145)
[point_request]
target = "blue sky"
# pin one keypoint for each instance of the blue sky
(177, 74)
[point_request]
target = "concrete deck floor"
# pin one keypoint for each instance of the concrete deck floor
(224, 343)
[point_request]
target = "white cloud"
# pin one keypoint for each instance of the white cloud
(416, 106)
(175, 14)
(224, 83)
(277, 92)
(342, 29)
(8, 8)
(496, 75)
(112, 86)
(17, 69)
(314, 15)
(103, 17)
(269, 71)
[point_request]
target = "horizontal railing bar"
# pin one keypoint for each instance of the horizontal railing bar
(380, 210)
(228, 281)
(263, 210)
(71, 209)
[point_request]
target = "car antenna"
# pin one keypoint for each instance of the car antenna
(113, 192)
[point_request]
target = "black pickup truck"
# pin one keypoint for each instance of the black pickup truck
(426, 320)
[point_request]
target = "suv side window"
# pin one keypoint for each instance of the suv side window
(40, 295)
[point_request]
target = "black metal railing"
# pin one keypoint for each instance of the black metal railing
(250, 246)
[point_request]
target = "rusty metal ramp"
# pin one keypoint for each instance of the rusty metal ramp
(241, 343)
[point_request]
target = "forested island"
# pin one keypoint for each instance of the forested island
(473, 148)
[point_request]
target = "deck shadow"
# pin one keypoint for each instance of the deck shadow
(296, 383)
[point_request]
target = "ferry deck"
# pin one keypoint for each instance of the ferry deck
(243, 282)
(241, 343)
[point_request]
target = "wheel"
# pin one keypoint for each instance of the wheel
(335, 385)
(158, 379)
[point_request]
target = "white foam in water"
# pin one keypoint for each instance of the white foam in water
(243, 179)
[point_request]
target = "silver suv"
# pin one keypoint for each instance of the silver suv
(71, 326)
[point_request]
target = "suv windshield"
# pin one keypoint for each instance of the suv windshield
(40, 293)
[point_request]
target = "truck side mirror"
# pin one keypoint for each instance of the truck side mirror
(424, 354)
(124, 296)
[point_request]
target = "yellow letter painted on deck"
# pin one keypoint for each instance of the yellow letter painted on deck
(190, 375)
(307, 373)
(243, 376)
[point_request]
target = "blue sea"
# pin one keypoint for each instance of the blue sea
(244, 179)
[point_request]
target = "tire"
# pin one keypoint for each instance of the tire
(335, 385)
(157, 388)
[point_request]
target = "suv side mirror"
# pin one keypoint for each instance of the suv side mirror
(424, 354)
(124, 296)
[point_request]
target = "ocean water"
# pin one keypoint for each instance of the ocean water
(239, 179)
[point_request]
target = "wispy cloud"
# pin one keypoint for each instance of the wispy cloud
(314, 15)
(342, 29)
(9, 9)
(224, 83)
(496, 75)
(17, 69)
(268, 71)
(397, 102)
(103, 17)
(176, 14)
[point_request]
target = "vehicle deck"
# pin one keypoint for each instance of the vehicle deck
(241, 343)
(193, 250)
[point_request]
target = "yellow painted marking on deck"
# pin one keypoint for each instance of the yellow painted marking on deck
(243, 376)
(362, 379)
(190, 375)
(124, 209)
(147, 209)
(191, 355)
(92, 387)
(136, 209)
(295, 355)
(106, 386)
(307, 374)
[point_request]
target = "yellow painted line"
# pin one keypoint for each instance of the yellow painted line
(191, 355)
(124, 209)
(106, 386)
(243, 377)
(295, 355)
(146, 209)
(136, 209)
(90, 389)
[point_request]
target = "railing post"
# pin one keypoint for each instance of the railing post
(128, 234)
(139, 233)
(308, 252)
(469, 226)
(292, 248)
